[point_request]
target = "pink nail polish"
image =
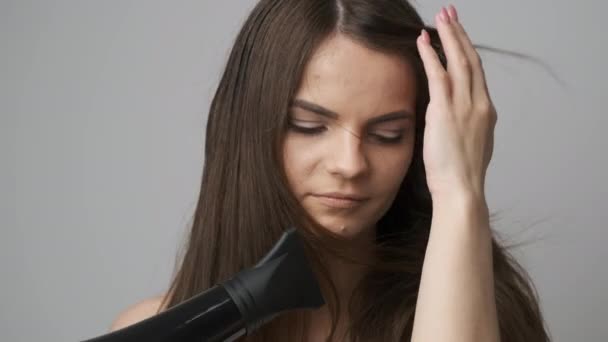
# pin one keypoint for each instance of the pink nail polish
(425, 36)
(444, 15)
(452, 12)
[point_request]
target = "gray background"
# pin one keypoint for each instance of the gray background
(103, 106)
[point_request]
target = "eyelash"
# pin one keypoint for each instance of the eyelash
(320, 129)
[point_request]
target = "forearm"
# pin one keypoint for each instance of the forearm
(456, 299)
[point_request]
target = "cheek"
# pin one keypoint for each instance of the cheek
(299, 160)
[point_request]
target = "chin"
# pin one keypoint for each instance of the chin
(344, 229)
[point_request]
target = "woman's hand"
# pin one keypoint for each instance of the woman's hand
(460, 118)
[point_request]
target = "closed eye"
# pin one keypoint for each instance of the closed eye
(393, 137)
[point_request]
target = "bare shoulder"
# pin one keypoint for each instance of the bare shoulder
(137, 312)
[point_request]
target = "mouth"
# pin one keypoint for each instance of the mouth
(340, 202)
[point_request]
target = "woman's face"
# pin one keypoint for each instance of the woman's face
(351, 133)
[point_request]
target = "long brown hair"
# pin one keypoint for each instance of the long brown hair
(245, 203)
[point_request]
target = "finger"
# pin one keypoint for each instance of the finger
(437, 76)
(479, 88)
(459, 66)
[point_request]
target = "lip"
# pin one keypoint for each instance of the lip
(340, 195)
(342, 202)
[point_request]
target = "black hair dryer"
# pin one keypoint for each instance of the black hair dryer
(281, 281)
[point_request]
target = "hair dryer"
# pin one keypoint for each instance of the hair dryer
(281, 281)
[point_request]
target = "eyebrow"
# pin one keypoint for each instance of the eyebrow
(315, 108)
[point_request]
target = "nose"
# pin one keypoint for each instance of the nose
(346, 155)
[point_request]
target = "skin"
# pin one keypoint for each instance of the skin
(347, 156)
(459, 132)
(358, 84)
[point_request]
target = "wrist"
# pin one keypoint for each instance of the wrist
(465, 205)
(458, 189)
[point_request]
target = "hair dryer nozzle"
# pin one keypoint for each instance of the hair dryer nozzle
(280, 281)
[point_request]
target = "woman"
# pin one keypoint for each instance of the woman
(372, 136)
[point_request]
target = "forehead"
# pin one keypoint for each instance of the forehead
(346, 77)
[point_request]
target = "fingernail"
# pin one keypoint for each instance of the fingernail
(444, 15)
(452, 12)
(425, 36)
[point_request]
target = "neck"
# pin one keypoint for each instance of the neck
(345, 275)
